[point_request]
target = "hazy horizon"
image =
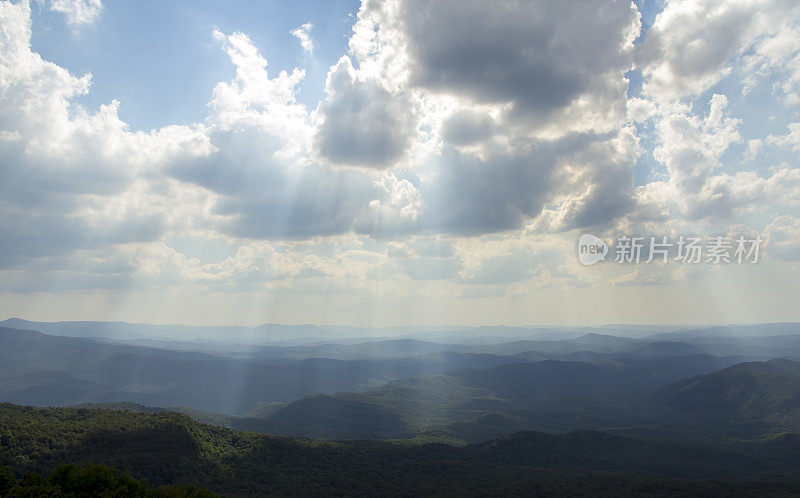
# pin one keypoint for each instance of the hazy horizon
(455, 326)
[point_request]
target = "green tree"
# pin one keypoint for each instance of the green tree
(7, 479)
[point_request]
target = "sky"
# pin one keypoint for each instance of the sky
(399, 162)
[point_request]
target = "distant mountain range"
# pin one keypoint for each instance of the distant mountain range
(390, 388)
(486, 409)
(39, 369)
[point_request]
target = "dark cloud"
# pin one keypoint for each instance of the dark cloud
(471, 195)
(467, 127)
(363, 123)
(537, 55)
(28, 235)
(503, 189)
(318, 201)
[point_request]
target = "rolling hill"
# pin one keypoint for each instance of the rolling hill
(40, 369)
(545, 395)
(764, 395)
(167, 448)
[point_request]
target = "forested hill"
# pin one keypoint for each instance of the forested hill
(70, 480)
(167, 448)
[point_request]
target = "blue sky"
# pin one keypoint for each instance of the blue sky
(159, 60)
(427, 162)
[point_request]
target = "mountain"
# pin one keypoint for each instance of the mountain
(600, 343)
(167, 448)
(395, 388)
(588, 415)
(544, 395)
(287, 334)
(765, 395)
(665, 348)
(728, 331)
(39, 369)
(221, 334)
(245, 423)
(90, 480)
(386, 348)
(341, 416)
(587, 342)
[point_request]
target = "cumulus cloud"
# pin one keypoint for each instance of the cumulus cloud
(303, 33)
(690, 147)
(362, 123)
(467, 127)
(78, 12)
(695, 43)
(260, 137)
(537, 58)
(596, 183)
(699, 186)
(776, 57)
(73, 179)
(790, 140)
(395, 209)
(783, 238)
(457, 145)
(512, 109)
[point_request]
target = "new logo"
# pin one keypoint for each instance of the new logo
(591, 249)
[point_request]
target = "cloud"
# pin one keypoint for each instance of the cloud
(511, 110)
(783, 238)
(72, 179)
(426, 268)
(395, 209)
(78, 12)
(457, 149)
(536, 58)
(260, 168)
(467, 127)
(303, 33)
(595, 183)
(471, 194)
(691, 147)
(790, 140)
(362, 123)
(695, 43)
(699, 186)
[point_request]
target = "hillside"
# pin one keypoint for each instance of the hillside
(70, 480)
(545, 395)
(765, 395)
(167, 448)
(39, 369)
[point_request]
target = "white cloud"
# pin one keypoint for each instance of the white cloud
(690, 147)
(695, 43)
(789, 141)
(72, 179)
(699, 185)
(783, 238)
(78, 12)
(303, 33)
(502, 115)
(400, 205)
(439, 163)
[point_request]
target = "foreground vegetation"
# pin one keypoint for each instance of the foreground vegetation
(169, 449)
(89, 480)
